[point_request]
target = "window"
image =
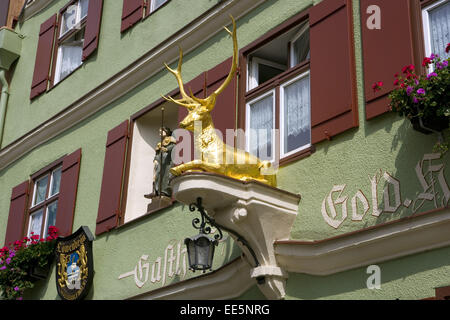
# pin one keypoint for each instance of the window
(144, 141)
(295, 115)
(71, 39)
(278, 95)
(65, 41)
(134, 11)
(436, 22)
(44, 202)
(155, 4)
(261, 125)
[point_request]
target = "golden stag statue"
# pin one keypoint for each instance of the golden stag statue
(215, 155)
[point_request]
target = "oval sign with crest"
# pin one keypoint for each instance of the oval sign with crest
(74, 264)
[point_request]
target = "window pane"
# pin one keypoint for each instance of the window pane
(36, 223)
(69, 19)
(56, 181)
(300, 49)
(157, 4)
(440, 29)
(297, 126)
(51, 216)
(84, 4)
(261, 126)
(40, 190)
(266, 72)
(70, 60)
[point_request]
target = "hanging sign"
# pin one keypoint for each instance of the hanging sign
(74, 264)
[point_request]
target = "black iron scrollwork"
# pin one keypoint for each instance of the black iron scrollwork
(201, 225)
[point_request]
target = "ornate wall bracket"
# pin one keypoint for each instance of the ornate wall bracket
(254, 214)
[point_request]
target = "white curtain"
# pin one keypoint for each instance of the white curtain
(439, 19)
(71, 59)
(296, 114)
(261, 125)
(41, 189)
(36, 222)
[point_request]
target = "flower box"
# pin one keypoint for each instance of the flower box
(430, 125)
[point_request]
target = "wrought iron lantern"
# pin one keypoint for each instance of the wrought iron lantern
(200, 248)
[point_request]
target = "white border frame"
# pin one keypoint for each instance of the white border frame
(31, 219)
(78, 18)
(33, 201)
(51, 182)
(152, 5)
(302, 30)
(252, 70)
(247, 121)
(46, 218)
(426, 28)
(282, 136)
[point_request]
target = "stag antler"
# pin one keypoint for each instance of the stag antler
(190, 101)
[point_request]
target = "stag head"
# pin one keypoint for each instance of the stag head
(200, 109)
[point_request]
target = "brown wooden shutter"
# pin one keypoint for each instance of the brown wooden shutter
(385, 51)
(132, 12)
(333, 87)
(112, 182)
(442, 293)
(68, 193)
(17, 210)
(92, 27)
(224, 113)
(4, 7)
(43, 57)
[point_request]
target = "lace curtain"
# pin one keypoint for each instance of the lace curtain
(36, 222)
(261, 125)
(439, 19)
(296, 114)
(71, 59)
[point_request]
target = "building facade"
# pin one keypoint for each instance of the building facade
(367, 198)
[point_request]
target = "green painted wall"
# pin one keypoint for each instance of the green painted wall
(387, 143)
(115, 52)
(409, 278)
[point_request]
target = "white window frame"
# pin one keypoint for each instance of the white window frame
(426, 28)
(152, 5)
(46, 218)
(78, 19)
(283, 154)
(51, 182)
(295, 38)
(33, 202)
(60, 56)
(48, 196)
(253, 69)
(30, 220)
(247, 121)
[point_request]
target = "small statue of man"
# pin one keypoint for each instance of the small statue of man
(162, 162)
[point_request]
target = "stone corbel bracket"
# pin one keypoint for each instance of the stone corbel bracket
(258, 213)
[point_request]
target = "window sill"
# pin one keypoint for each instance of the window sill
(297, 156)
(56, 84)
(146, 215)
(150, 13)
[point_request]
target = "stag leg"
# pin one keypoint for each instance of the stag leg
(195, 165)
